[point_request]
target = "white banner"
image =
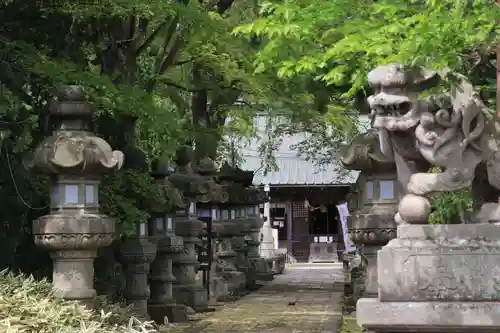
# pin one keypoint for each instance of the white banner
(343, 214)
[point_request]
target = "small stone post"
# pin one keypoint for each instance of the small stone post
(74, 230)
(162, 304)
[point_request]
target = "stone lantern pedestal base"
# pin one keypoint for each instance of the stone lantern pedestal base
(259, 271)
(176, 313)
(194, 296)
(73, 241)
(219, 288)
(437, 278)
(236, 281)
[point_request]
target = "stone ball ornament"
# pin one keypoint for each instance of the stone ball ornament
(414, 209)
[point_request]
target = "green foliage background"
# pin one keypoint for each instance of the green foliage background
(199, 71)
(340, 41)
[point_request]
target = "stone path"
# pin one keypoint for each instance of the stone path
(306, 298)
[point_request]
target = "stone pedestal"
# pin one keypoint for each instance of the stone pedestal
(162, 304)
(258, 267)
(136, 255)
(219, 288)
(370, 232)
(238, 243)
(185, 265)
(437, 278)
(74, 241)
(227, 256)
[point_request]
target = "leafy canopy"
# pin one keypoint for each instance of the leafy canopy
(343, 39)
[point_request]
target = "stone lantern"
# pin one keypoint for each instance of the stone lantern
(186, 290)
(162, 303)
(233, 229)
(74, 230)
(372, 224)
(137, 251)
(259, 268)
(208, 212)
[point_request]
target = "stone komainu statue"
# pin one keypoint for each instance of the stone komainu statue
(451, 131)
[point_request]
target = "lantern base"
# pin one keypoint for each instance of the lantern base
(236, 281)
(73, 273)
(194, 296)
(218, 287)
(168, 313)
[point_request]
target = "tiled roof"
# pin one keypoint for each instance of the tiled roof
(299, 172)
(293, 169)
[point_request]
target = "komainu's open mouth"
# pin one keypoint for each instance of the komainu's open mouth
(394, 109)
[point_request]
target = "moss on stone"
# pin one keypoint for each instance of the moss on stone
(349, 325)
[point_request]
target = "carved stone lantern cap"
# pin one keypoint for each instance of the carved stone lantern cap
(206, 167)
(136, 158)
(210, 190)
(235, 174)
(160, 170)
(184, 156)
(73, 95)
(72, 149)
(396, 75)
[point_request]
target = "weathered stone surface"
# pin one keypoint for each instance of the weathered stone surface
(76, 159)
(441, 263)
(136, 255)
(185, 265)
(437, 278)
(161, 304)
(428, 317)
(449, 130)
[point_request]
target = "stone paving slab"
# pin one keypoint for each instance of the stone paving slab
(301, 300)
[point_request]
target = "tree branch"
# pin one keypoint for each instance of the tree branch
(149, 40)
(183, 62)
(172, 55)
(162, 59)
(180, 87)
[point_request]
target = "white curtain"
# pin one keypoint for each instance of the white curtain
(344, 213)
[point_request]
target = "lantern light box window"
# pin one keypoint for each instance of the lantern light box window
(379, 189)
(192, 208)
(159, 225)
(71, 194)
(169, 225)
(369, 188)
(203, 212)
(142, 230)
(387, 190)
(225, 213)
(215, 214)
